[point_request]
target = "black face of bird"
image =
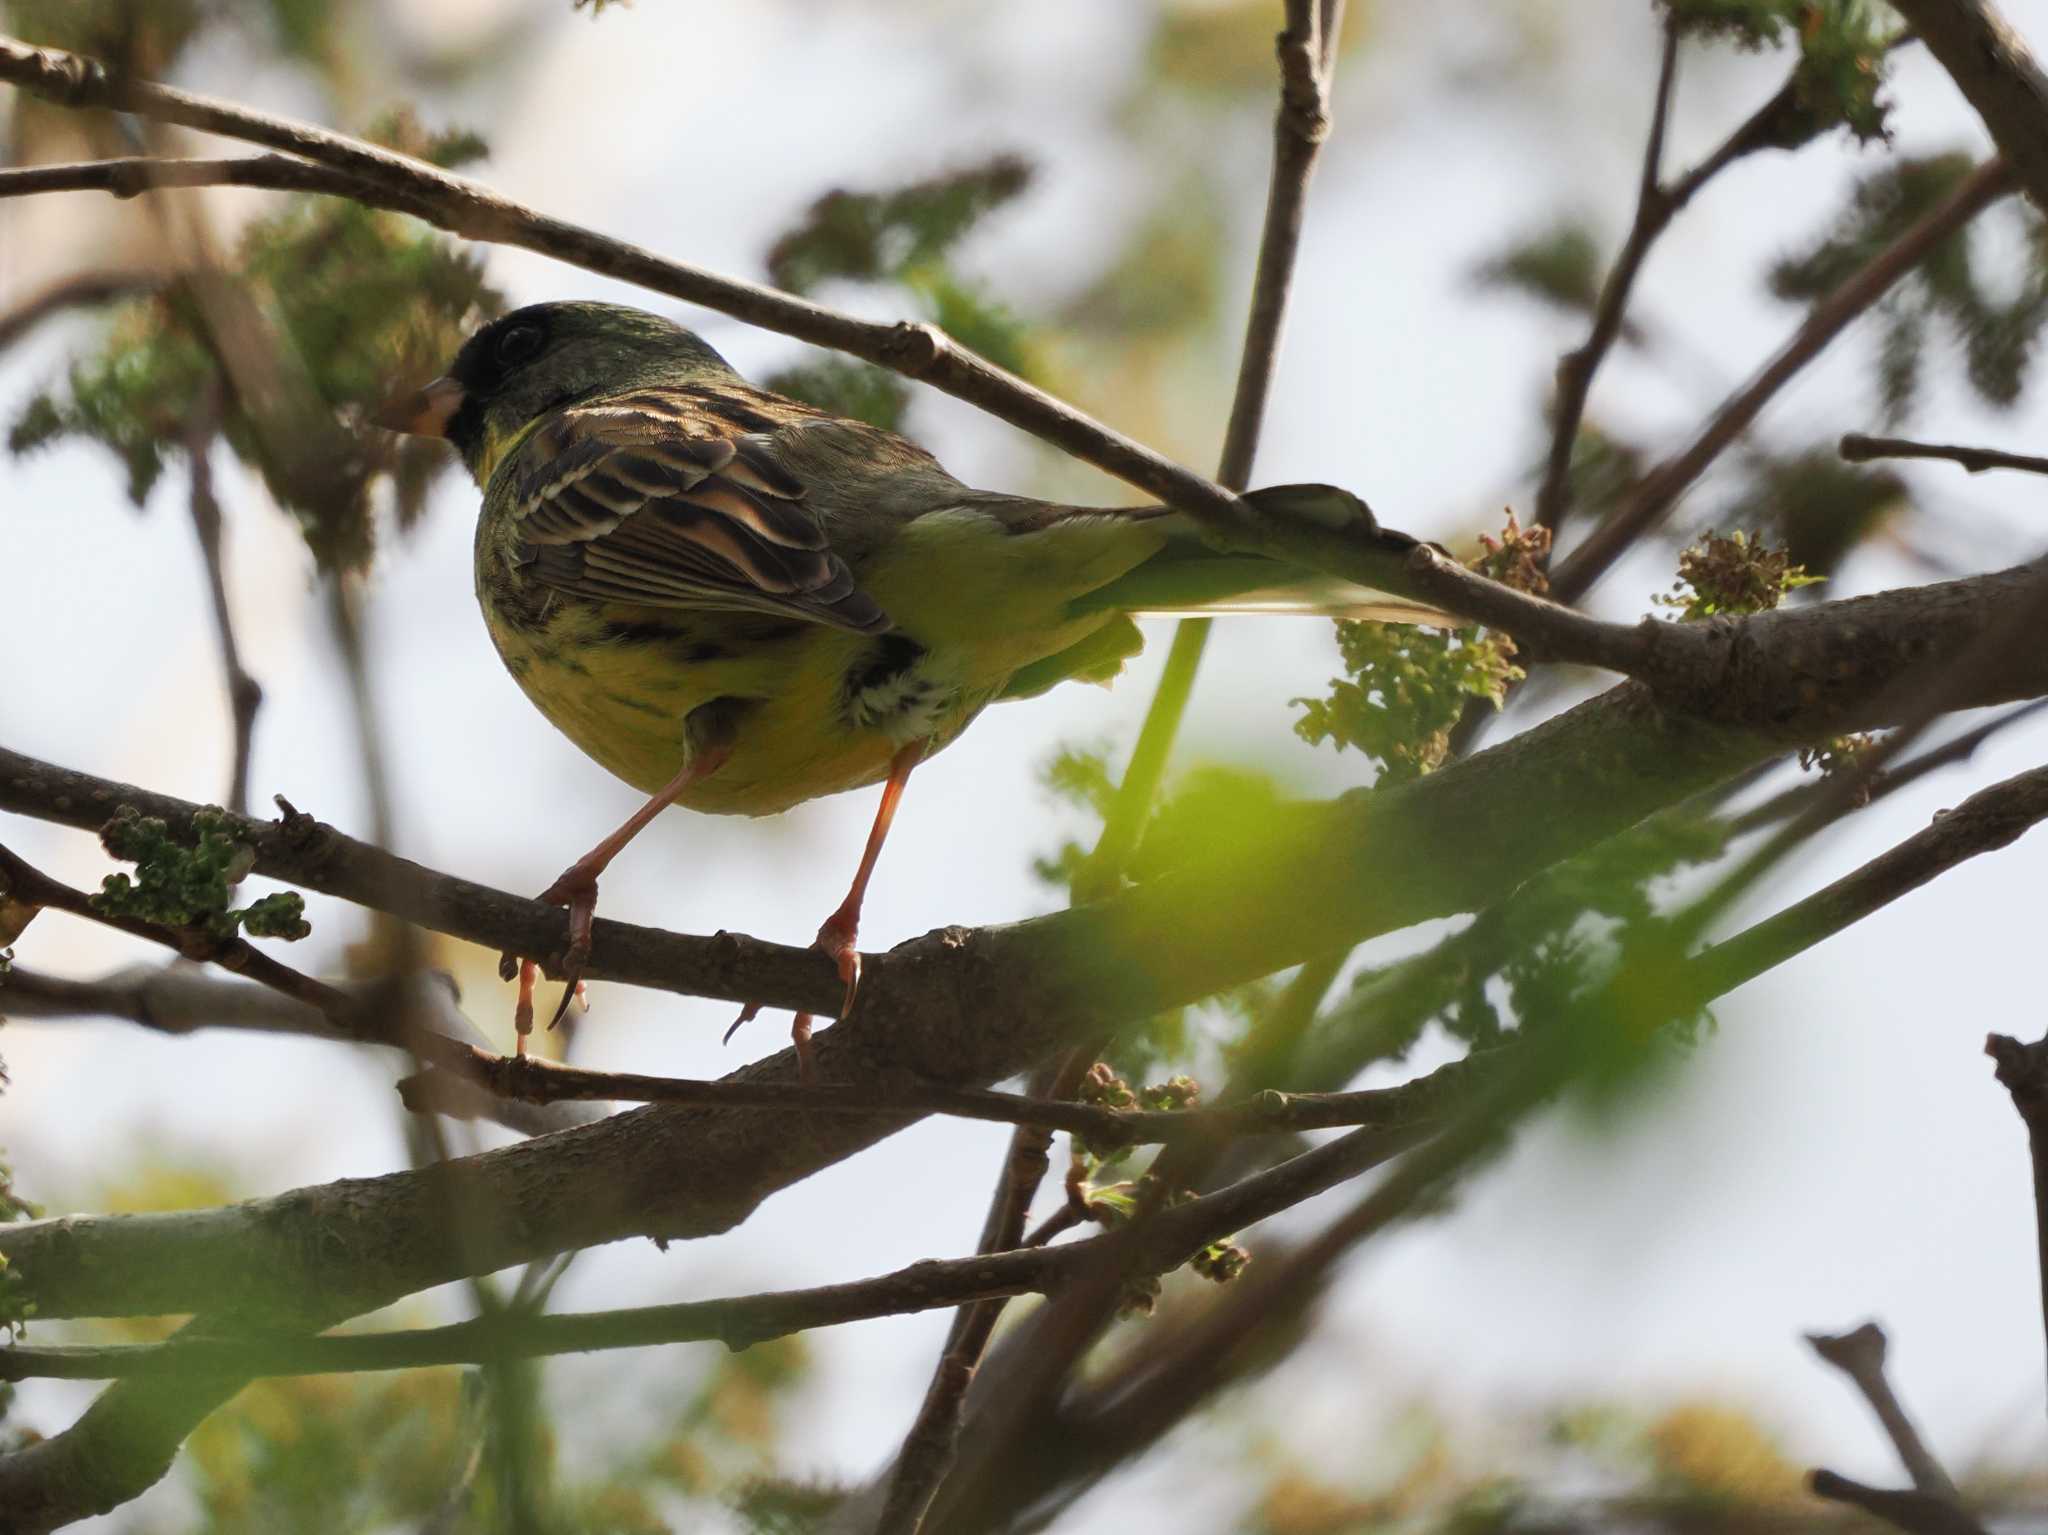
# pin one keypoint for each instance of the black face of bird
(542, 357)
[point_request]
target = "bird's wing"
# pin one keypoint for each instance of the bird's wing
(676, 498)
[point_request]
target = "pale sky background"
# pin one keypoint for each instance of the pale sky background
(1837, 1151)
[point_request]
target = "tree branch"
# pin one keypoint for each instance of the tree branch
(1458, 836)
(179, 1001)
(1859, 1354)
(1655, 209)
(530, 1079)
(1659, 490)
(1859, 449)
(245, 694)
(1991, 66)
(742, 1321)
(2022, 1069)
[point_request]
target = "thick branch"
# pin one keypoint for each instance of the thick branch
(1316, 883)
(1992, 67)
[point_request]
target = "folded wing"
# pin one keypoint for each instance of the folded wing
(657, 499)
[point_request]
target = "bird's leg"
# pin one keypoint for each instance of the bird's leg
(576, 888)
(836, 937)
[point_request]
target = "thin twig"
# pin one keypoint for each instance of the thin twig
(2023, 1071)
(1659, 490)
(531, 1079)
(1655, 209)
(178, 1001)
(1859, 1354)
(929, 1447)
(245, 694)
(1917, 1513)
(1860, 449)
(350, 1018)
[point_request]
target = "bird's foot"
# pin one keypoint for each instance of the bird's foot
(577, 890)
(799, 1036)
(836, 940)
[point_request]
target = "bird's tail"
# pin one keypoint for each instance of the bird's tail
(1187, 576)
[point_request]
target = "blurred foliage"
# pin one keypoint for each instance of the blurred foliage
(1997, 336)
(1818, 506)
(902, 238)
(1843, 45)
(147, 36)
(1739, 573)
(1559, 266)
(191, 886)
(351, 301)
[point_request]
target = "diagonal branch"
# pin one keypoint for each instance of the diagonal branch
(1992, 67)
(1655, 208)
(1659, 490)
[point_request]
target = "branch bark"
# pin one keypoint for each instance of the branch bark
(1994, 70)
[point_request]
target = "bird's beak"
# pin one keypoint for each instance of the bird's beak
(424, 412)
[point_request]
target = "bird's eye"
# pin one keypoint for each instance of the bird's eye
(518, 345)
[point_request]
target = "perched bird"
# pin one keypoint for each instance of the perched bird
(738, 602)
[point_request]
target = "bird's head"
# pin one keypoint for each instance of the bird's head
(529, 362)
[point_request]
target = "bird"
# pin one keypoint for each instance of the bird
(737, 602)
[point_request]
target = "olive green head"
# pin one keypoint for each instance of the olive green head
(536, 359)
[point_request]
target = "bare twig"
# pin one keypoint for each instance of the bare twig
(531, 1079)
(2023, 1070)
(928, 1448)
(1917, 1513)
(1860, 449)
(245, 694)
(1859, 1354)
(1655, 209)
(180, 1001)
(1660, 489)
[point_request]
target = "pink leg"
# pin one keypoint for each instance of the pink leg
(577, 888)
(836, 937)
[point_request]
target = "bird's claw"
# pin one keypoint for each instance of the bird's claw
(577, 890)
(836, 940)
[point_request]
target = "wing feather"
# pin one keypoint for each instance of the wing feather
(655, 498)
